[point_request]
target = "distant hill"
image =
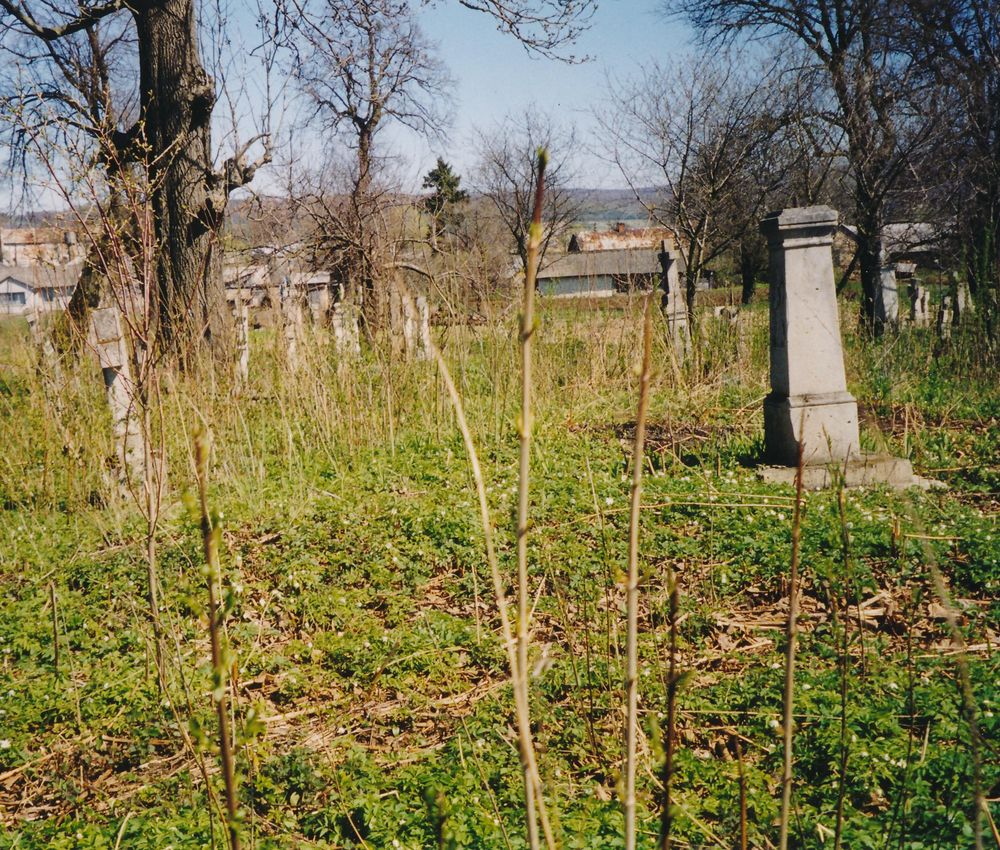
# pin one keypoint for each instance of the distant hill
(606, 206)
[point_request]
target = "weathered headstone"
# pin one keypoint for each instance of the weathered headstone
(292, 331)
(962, 303)
(242, 311)
(727, 314)
(344, 324)
(919, 305)
(672, 301)
(423, 351)
(945, 318)
(809, 401)
(319, 305)
(112, 355)
(887, 299)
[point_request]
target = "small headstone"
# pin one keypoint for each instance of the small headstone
(242, 343)
(112, 354)
(919, 305)
(963, 305)
(945, 318)
(292, 331)
(672, 301)
(809, 401)
(424, 345)
(887, 299)
(346, 335)
(726, 314)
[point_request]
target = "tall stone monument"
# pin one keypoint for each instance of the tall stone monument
(672, 301)
(809, 404)
(809, 401)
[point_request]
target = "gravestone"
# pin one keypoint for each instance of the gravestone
(344, 324)
(945, 318)
(729, 315)
(809, 404)
(962, 299)
(919, 305)
(292, 331)
(887, 299)
(423, 351)
(672, 301)
(809, 401)
(112, 355)
(242, 311)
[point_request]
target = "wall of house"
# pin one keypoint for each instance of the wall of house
(602, 286)
(17, 298)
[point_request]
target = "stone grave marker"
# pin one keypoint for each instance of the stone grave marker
(672, 301)
(112, 355)
(809, 403)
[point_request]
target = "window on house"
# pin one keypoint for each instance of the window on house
(49, 293)
(12, 298)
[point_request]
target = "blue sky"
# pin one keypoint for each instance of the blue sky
(495, 75)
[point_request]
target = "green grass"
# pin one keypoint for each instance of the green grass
(366, 636)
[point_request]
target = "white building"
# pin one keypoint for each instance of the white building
(36, 288)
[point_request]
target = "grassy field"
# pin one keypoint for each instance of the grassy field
(371, 697)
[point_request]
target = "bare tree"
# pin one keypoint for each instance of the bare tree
(364, 65)
(542, 26)
(696, 132)
(506, 175)
(57, 48)
(883, 118)
(957, 45)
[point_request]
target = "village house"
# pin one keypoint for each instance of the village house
(29, 246)
(37, 288)
(602, 263)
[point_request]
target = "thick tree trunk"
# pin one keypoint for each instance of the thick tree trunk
(753, 258)
(869, 260)
(177, 97)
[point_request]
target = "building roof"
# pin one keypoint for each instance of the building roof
(35, 235)
(620, 238)
(616, 263)
(44, 276)
(906, 237)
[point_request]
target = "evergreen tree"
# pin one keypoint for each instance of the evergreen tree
(440, 204)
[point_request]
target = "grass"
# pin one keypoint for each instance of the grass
(370, 693)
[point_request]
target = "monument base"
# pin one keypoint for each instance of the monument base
(826, 425)
(867, 470)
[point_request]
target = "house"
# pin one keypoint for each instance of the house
(29, 246)
(599, 274)
(602, 263)
(37, 288)
(905, 241)
(619, 238)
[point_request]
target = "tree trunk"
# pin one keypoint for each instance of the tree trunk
(373, 303)
(753, 257)
(869, 261)
(177, 97)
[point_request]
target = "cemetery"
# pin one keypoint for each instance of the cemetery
(592, 468)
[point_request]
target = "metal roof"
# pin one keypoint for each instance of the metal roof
(619, 263)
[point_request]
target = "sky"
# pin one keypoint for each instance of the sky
(495, 75)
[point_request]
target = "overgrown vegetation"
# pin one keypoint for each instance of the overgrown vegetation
(370, 697)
